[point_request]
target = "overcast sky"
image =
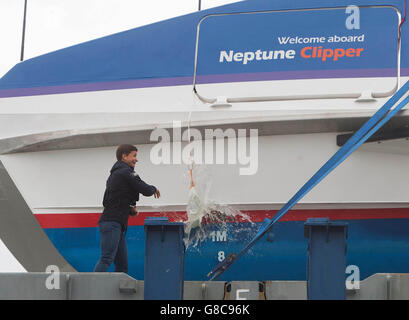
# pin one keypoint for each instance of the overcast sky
(56, 24)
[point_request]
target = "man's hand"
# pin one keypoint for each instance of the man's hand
(133, 211)
(157, 194)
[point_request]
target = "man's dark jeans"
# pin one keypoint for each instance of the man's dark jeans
(113, 247)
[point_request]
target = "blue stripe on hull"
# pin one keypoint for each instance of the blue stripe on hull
(380, 245)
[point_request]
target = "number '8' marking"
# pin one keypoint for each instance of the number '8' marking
(220, 256)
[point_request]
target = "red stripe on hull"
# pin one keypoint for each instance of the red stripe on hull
(90, 220)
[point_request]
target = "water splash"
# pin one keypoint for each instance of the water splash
(204, 216)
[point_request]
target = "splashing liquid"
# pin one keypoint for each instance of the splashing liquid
(204, 215)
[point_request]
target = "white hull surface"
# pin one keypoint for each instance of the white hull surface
(74, 180)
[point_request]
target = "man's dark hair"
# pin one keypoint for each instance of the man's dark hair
(124, 149)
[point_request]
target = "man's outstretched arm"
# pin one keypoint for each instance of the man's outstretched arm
(138, 185)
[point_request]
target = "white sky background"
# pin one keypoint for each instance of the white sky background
(56, 24)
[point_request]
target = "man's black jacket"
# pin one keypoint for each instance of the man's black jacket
(122, 191)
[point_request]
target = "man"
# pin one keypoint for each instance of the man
(122, 191)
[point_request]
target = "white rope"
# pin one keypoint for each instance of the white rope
(190, 165)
